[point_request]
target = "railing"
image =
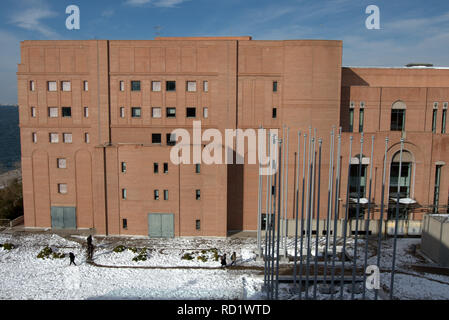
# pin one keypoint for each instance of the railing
(8, 223)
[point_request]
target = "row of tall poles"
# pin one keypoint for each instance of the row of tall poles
(309, 208)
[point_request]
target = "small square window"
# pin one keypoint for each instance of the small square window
(34, 137)
(86, 85)
(156, 194)
(352, 105)
(156, 138)
(67, 138)
(123, 167)
(32, 85)
(66, 112)
(445, 104)
(86, 137)
(156, 86)
(53, 112)
(274, 113)
(86, 112)
(136, 112)
(191, 86)
(198, 194)
(54, 138)
(205, 86)
(33, 112)
(165, 194)
(122, 112)
(122, 85)
(156, 167)
(435, 105)
(191, 112)
(66, 86)
(62, 163)
(197, 168)
(275, 86)
(165, 167)
(124, 194)
(52, 86)
(171, 139)
(198, 224)
(62, 188)
(171, 112)
(362, 104)
(156, 112)
(135, 85)
(170, 86)
(125, 223)
(205, 113)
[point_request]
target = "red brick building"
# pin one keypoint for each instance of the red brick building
(95, 120)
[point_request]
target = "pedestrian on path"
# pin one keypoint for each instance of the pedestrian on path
(72, 258)
(223, 261)
(233, 258)
(90, 248)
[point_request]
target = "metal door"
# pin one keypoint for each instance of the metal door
(63, 217)
(161, 225)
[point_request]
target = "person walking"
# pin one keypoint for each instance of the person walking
(233, 258)
(72, 258)
(223, 261)
(90, 248)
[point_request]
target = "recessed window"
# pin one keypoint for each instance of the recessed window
(443, 122)
(32, 85)
(125, 223)
(170, 86)
(156, 167)
(197, 168)
(171, 139)
(135, 85)
(54, 138)
(361, 119)
(52, 86)
(434, 120)
(86, 112)
(274, 113)
(198, 194)
(275, 86)
(191, 112)
(136, 112)
(124, 194)
(397, 119)
(352, 105)
(198, 224)
(171, 112)
(191, 86)
(165, 194)
(86, 137)
(156, 138)
(66, 112)
(351, 120)
(66, 86)
(156, 86)
(122, 85)
(34, 137)
(122, 112)
(156, 194)
(53, 112)
(67, 138)
(86, 85)
(156, 112)
(123, 165)
(435, 105)
(362, 104)
(205, 113)
(62, 163)
(62, 188)
(165, 167)
(206, 86)
(33, 112)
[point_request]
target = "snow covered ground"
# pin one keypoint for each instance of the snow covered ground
(164, 275)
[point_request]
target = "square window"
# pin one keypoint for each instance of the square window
(275, 86)
(165, 167)
(156, 194)
(122, 85)
(135, 85)
(274, 113)
(156, 138)
(124, 194)
(62, 188)
(125, 223)
(66, 86)
(156, 112)
(197, 168)
(362, 104)
(171, 112)
(170, 86)
(198, 224)
(52, 86)
(54, 138)
(156, 86)
(66, 112)
(191, 86)
(352, 104)
(123, 167)
(86, 86)
(67, 138)
(62, 163)
(86, 112)
(86, 137)
(122, 112)
(165, 194)
(205, 86)
(198, 194)
(34, 137)
(32, 85)
(33, 112)
(136, 112)
(191, 112)
(156, 167)
(171, 139)
(435, 105)
(205, 113)
(53, 112)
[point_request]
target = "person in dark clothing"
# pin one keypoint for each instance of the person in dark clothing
(233, 258)
(223, 260)
(89, 240)
(72, 258)
(90, 248)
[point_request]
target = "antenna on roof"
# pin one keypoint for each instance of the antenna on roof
(158, 30)
(419, 65)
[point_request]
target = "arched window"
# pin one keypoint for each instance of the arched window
(398, 116)
(405, 181)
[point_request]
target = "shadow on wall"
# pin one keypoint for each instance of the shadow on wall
(435, 239)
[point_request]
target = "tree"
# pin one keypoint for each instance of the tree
(11, 200)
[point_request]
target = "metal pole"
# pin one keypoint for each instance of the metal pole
(259, 211)
(302, 210)
(267, 212)
(329, 201)
(296, 209)
(396, 222)
(365, 264)
(282, 182)
(320, 142)
(279, 212)
(273, 227)
(336, 212)
(286, 195)
(379, 241)
(345, 223)
(309, 215)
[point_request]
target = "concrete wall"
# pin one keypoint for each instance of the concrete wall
(435, 238)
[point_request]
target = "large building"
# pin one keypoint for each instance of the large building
(96, 118)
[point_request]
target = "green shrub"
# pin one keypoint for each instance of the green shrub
(7, 246)
(187, 256)
(58, 255)
(133, 249)
(202, 258)
(11, 200)
(45, 253)
(119, 248)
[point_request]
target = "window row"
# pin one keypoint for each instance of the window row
(156, 112)
(123, 167)
(197, 224)
(156, 194)
(66, 137)
(53, 85)
(53, 112)
(170, 86)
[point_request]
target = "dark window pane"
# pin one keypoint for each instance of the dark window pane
(275, 86)
(156, 138)
(274, 113)
(170, 86)
(171, 139)
(171, 112)
(136, 112)
(156, 167)
(66, 112)
(191, 113)
(135, 85)
(198, 224)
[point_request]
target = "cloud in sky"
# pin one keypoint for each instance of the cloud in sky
(156, 3)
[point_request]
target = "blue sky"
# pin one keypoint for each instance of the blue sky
(411, 31)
